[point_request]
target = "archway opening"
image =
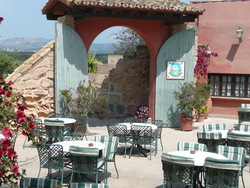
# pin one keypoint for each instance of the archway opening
(124, 77)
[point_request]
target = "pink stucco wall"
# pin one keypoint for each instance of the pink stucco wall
(217, 28)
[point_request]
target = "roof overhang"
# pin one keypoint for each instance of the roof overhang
(170, 12)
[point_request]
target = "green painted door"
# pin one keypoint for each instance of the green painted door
(71, 64)
(179, 47)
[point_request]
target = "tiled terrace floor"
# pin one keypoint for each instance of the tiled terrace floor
(135, 172)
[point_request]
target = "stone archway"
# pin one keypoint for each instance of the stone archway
(155, 22)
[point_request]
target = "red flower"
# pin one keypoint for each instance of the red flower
(15, 169)
(20, 116)
(11, 153)
(1, 19)
(6, 132)
(10, 83)
(7, 93)
(2, 91)
(21, 107)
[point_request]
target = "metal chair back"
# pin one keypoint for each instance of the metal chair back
(177, 170)
(54, 129)
(51, 156)
(143, 135)
(121, 132)
(210, 139)
(221, 173)
(159, 124)
(85, 160)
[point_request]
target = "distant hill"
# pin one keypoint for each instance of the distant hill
(102, 48)
(22, 44)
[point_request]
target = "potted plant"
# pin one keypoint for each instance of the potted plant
(141, 112)
(186, 101)
(83, 100)
(202, 94)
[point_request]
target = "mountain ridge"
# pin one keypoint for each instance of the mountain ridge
(22, 44)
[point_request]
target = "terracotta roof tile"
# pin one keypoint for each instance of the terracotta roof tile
(173, 5)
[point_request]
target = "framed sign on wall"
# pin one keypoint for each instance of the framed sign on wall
(176, 70)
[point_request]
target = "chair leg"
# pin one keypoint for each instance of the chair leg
(131, 150)
(161, 144)
(39, 172)
(242, 178)
(116, 169)
(62, 177)
(71, 178)
(25, 140)
(125, 150)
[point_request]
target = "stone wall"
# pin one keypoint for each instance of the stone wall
(34, 80)
(125, 81)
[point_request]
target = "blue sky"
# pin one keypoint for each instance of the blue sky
(23, 18)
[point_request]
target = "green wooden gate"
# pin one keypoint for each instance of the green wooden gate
(71, 64)
(179, 47)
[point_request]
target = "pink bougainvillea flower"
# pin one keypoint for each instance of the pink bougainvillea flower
(15, 169)
(2, 91)
(10, 83)
(11, 153)
(21, 107)
(20, 116)
(6, 132)
(7, 93)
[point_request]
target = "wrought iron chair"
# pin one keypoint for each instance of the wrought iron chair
(88, 185)
(234, 153)
(214, 127)
(80, 126)
(38, 132)
(188, 146)
(178, 170)
(210, 139)
(121, 132)
(54, 129)
(134, 120)
(143, 135)
(38, 182)
(239, 140)
(109, 152)
(159, 124)
(86, 161)
(221, 173)
(70, 137)
(51, 156)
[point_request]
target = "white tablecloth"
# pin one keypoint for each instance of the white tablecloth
(140, 124)
(199, 156)
(80, 143)
(65, 120)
